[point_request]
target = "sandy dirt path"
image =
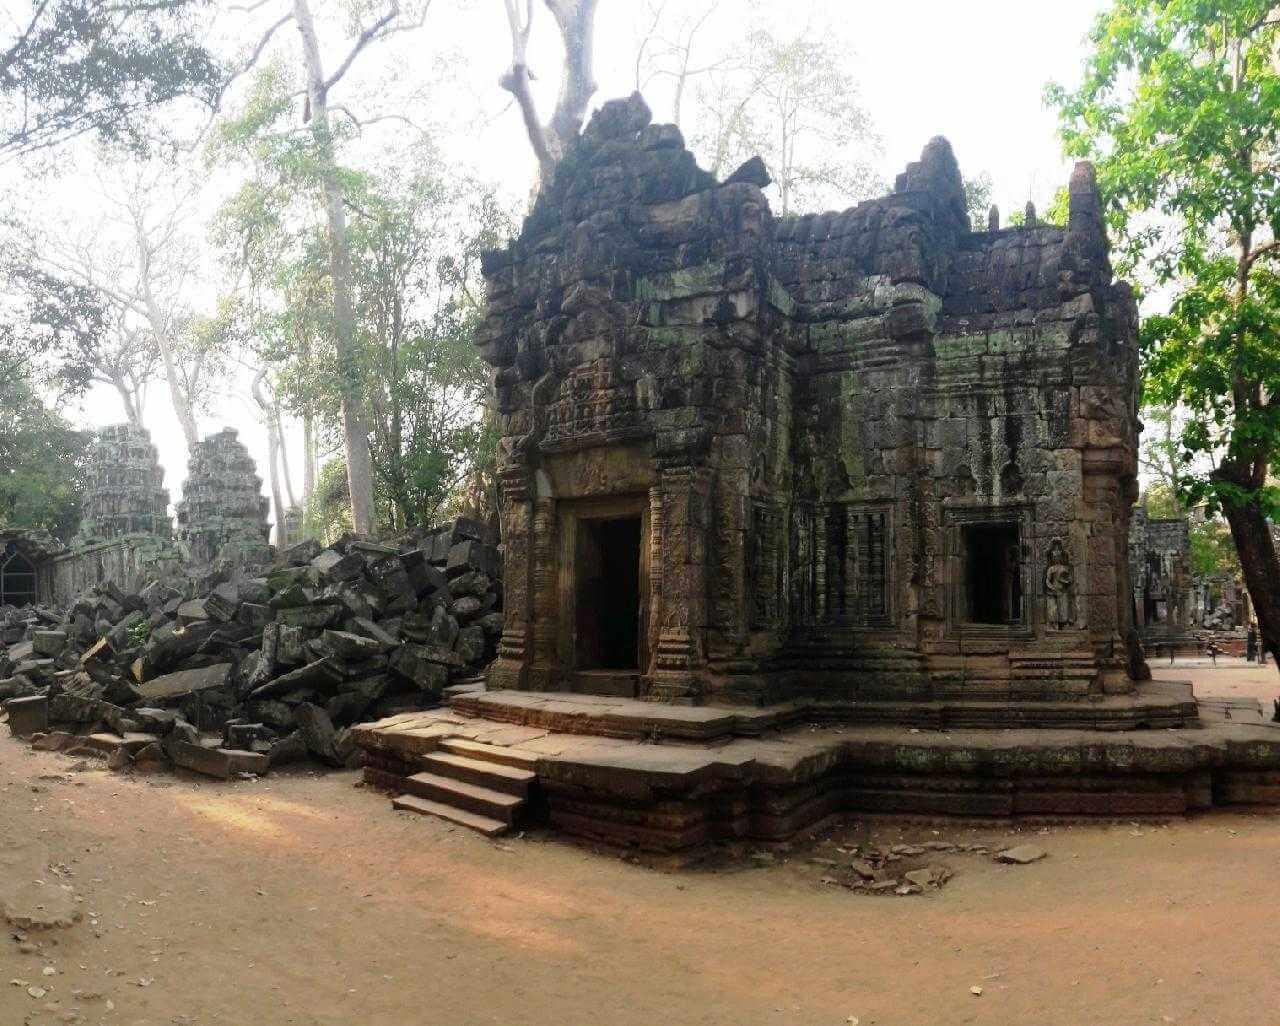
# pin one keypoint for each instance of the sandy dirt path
(305, 900)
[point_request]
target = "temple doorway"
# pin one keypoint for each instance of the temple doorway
(993, 574)
(608, 600)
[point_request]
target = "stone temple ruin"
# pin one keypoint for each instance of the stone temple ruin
(126, 493)
(223, 513)
(795, 510)
(126, 536)
(858, 455)
(1174, 607)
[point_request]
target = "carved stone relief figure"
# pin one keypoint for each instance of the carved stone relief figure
(1059, 588)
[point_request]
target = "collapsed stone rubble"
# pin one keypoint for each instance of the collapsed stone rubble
(235, 670)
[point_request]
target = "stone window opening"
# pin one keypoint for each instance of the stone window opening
(993, 584)
(608, 600)
(17, 579)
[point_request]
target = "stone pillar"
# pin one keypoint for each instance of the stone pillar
(680, 656)
(543, 672)
(653, 628)
(510, 669)
(1103, 587)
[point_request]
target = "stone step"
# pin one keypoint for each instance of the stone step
(490, 753)
(483, 801)
(423, 806)
(494, 775)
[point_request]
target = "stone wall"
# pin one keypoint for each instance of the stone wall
(832, 429)
(128, 563)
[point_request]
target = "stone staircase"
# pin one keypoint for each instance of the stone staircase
(479, 786)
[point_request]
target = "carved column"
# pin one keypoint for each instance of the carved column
(680, 656)
(545, 600)
(653, 629)
(510, 669)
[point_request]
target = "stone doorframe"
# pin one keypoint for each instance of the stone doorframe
(569, 512)
(955, 520)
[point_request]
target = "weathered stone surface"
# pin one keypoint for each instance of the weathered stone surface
(27, 716)
(223, 513)
(48, 643)
(859, 454)
(1021, 854)
(318, 733)
(185, 682)
(216, 762)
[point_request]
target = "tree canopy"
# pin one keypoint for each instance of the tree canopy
(1180, 108)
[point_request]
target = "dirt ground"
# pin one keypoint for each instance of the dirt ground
(305, 900)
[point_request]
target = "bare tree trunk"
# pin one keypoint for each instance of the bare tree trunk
(1252, 535)
(160, 327)
(284, 454)
(266, 411)
(355, 433)
(308, 457)
(129, 399)
(576, 22)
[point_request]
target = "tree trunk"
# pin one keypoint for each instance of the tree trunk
(160, 327)
(130, 401)
(1252, 534)
(355, 433)
(273, 454)
(308, 457)
(284, 454)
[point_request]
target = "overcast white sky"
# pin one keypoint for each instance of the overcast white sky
(973, 72)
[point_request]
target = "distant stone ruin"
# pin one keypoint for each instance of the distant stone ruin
(125, 493)
(223, 513)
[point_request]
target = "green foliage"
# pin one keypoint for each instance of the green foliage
(76, 67)
(328, 514)
(977, 200)
(1180, 109)
(139, 633)
(1212, 550)
(42, 462)
(50, 328)
(1161, 503)
(415, 239)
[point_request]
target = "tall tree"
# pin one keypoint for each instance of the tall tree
(355, 428)
(44, 461)
(142, 260)
(414, 239)
(1180, 108)
(575, 21)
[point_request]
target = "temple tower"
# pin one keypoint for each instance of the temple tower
(223, 513)
(126, 493)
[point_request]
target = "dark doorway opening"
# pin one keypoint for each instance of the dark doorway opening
(17, 580)
(608, 594)
(993, 574)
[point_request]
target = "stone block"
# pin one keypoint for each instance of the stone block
(173, 686)
(48, 643)
(28, 716)
(221, 763)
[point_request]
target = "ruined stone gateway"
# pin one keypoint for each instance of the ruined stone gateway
(870, 454)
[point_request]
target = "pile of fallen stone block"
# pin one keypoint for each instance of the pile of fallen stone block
(243, 669)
